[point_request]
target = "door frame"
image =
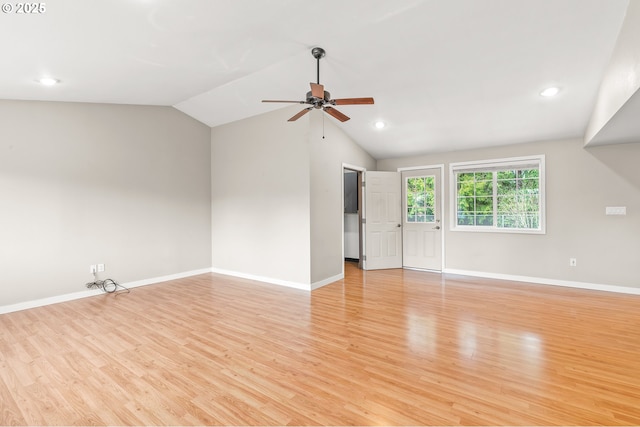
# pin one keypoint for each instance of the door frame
(361, 171)
(443, 203)
(362, 214)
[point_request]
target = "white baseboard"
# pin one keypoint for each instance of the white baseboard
(48, 301)
(544, 281)
(321, 283)
(92, 292)
(161, 279)
(270, 280)
(527, 279)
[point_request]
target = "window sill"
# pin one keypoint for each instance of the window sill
(497, 230)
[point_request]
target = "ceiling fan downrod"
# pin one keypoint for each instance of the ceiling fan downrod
(318, 53)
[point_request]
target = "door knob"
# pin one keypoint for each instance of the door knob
(437, 227)
(399, 225)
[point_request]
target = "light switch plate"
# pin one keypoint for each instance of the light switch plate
(616, 210)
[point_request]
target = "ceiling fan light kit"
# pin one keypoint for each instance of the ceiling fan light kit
(319, 98)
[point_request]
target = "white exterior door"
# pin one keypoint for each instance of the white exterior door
(421, 218)
(383, 220)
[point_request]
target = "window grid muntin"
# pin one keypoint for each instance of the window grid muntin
(482, 197)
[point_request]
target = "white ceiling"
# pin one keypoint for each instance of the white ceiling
(445, 74)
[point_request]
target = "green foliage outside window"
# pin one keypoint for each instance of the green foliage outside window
(503, 199)
(421, 199)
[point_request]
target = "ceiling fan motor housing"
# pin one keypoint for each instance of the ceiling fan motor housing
(318, 102)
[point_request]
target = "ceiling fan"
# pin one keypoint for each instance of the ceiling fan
(320, 98)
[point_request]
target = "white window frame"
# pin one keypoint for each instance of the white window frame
(491, 166)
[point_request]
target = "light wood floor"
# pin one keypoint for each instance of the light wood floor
(378, 348)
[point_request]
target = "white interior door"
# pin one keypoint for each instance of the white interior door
(422, 214)
(383, 220)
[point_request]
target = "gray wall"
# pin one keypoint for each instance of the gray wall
(277, 197)
(260, 197)
(81, 184)
(327, 158)
(580, 183)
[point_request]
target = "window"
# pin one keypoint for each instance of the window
(499, 195)
(421, 199)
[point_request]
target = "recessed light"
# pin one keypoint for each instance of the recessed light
(550, 91)
(380, 125)
(48, 81)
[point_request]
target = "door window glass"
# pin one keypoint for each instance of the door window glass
(421, 199)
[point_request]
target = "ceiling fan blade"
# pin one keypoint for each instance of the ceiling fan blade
(335, 113)
(352, 101)
(277, 100)
(300, 114)
(317, 90)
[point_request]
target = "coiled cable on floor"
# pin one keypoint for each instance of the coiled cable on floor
(108, 285)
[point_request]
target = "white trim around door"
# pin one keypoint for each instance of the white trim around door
(441, 201)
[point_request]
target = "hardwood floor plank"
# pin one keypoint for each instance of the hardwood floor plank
(386, 347)
(10, 413)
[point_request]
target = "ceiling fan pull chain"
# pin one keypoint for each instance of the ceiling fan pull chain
(323, 126)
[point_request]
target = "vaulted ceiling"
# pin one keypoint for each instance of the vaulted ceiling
(445, 74)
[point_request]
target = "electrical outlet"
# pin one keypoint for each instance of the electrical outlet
(93, 269)
(573, 262)
(100, 268)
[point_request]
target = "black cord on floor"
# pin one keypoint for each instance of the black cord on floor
(108, 285)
